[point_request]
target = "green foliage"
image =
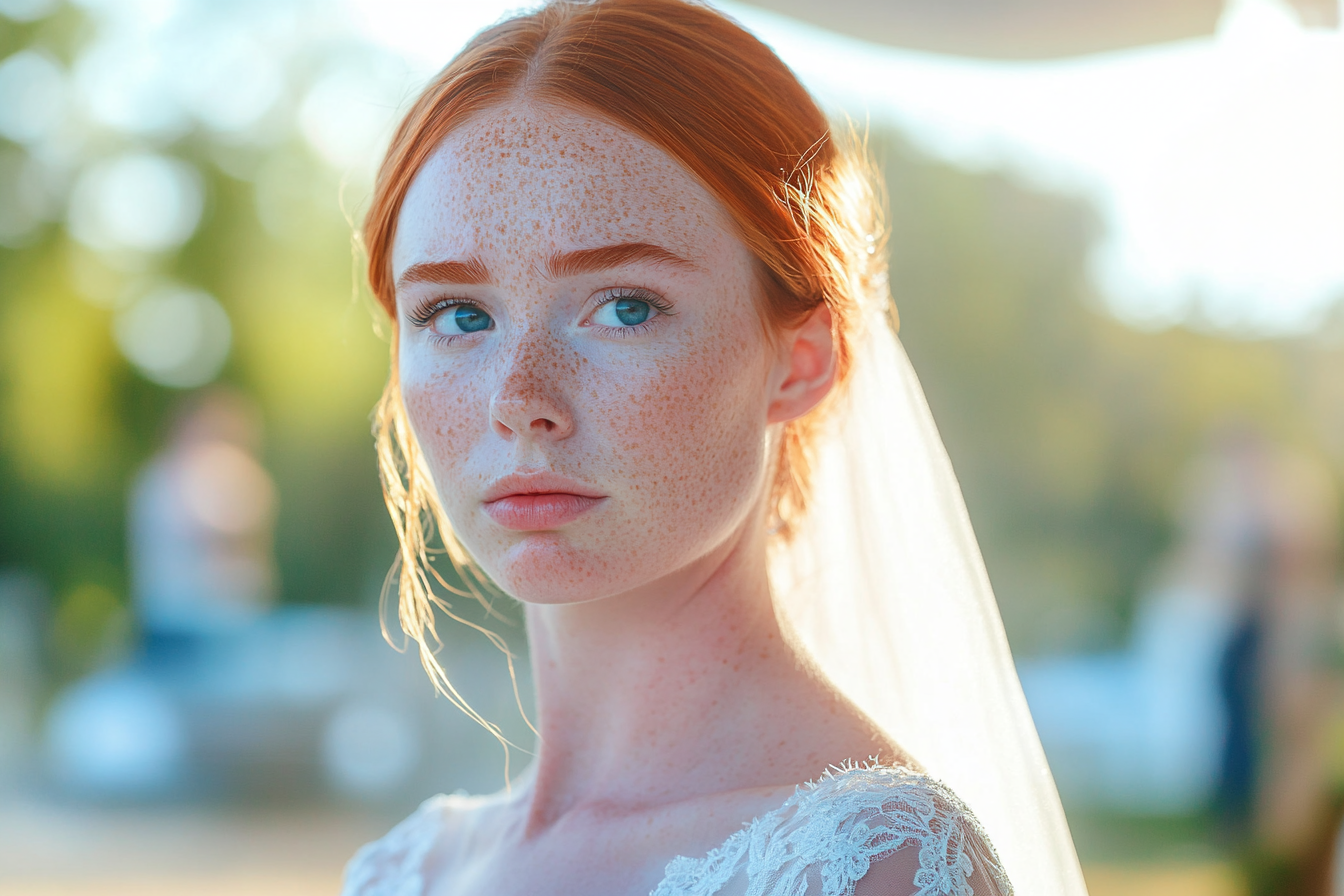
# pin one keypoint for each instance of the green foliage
(77, 421)
(89, 627)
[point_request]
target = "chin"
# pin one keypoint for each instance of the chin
(545, 568)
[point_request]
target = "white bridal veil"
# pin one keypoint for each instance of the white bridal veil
(885, 585)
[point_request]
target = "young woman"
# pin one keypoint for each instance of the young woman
(644, 378)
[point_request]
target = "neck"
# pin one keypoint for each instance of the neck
(663, 693)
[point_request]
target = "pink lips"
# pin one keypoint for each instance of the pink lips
(538, 501)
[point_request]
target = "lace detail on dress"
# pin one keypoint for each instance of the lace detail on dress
(831, 833)
(394, 865)
(823, 841)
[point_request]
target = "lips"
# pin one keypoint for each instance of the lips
(539, 501)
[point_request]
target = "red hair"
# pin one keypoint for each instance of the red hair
(699, 86)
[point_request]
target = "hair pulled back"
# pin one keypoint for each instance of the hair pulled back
(696, 84)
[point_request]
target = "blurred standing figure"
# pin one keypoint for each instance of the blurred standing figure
(1300, 685)
(201, 518)
(1262, 528)
(1225, 552)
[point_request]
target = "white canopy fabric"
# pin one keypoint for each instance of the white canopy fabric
(1025, 29)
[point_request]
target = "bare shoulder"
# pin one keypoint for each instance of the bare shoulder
(402, 860)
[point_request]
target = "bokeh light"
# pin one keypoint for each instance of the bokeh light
(33, 85)
(140, 201)
(175, 336)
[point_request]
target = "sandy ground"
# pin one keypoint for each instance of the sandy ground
(48, 849)
(51, 849)
(232, 885)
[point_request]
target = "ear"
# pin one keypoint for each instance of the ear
(805, 369)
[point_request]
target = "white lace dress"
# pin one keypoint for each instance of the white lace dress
(887, 831)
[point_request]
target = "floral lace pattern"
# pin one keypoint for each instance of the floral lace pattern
(833, 831)
(394, 864)
(825, 839)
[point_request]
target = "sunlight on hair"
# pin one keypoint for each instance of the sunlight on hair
(1214, 162)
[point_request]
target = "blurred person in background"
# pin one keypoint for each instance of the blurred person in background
(200, 528)
(1228, 547)
(199, 523)
(1261, 530)
(1228, 692)
(1299, 687)
(1220, 563)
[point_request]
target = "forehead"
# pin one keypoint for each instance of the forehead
(539, 179)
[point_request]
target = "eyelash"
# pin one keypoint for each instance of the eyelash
(655, 301)
(422, 316)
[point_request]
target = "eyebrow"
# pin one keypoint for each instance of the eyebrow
(467, 273)
(562, 264)
(583, 261)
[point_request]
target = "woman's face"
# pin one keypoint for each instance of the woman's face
(581, 355)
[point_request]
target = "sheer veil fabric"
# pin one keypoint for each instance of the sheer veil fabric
(883, 584)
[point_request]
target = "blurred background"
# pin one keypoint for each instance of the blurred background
(1118, 254)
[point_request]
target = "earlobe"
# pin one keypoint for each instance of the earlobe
(807, 367)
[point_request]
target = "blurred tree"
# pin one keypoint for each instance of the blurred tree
(77, 420)
(1067, 429)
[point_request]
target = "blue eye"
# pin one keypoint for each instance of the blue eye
(624, 312)
(632, 311)
(456, 320)
(471, 319)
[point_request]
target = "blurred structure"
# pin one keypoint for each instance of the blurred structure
(298, 704)
(1223, 698)
(1033, 29)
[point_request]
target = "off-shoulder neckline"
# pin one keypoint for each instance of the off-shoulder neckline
(429, 820)
(722, 859)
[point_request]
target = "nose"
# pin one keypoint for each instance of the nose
(528, 402)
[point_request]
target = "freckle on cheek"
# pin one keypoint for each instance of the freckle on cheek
(669, 432)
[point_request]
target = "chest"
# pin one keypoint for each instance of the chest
(595, 852)
(582, 856)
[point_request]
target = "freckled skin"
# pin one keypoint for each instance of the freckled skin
(671, 423)
(672, 707)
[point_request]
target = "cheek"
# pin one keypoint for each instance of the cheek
(444, 410)
(688, 433)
